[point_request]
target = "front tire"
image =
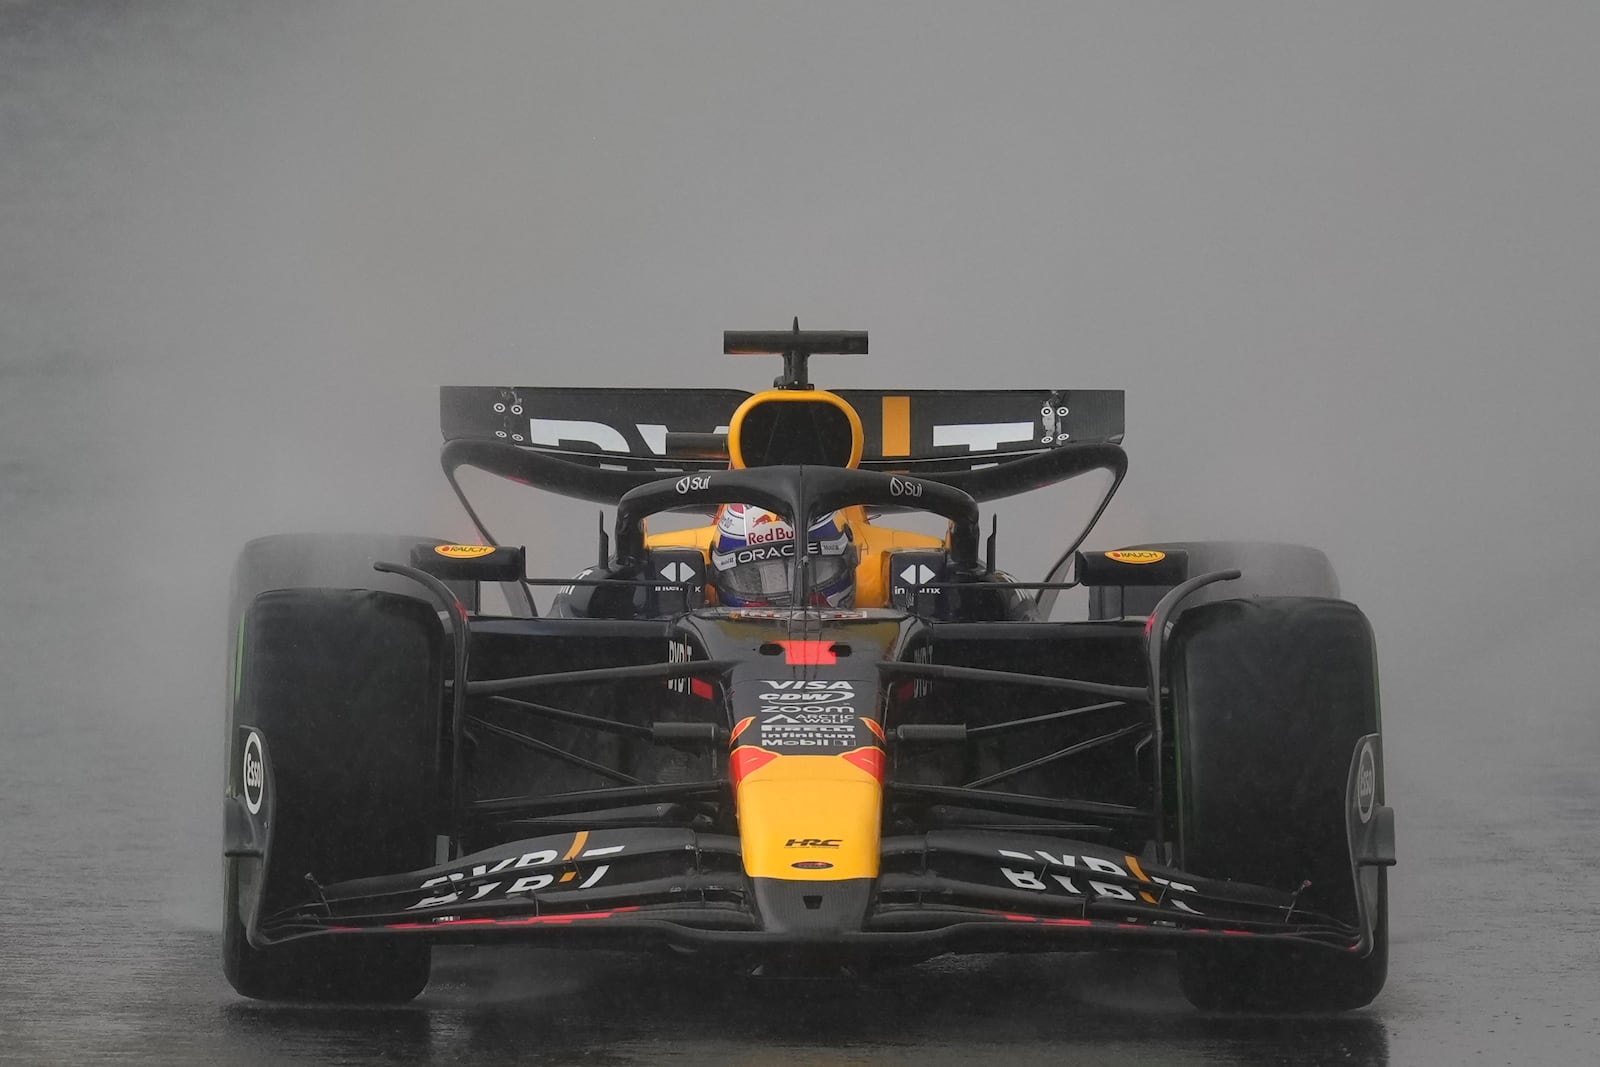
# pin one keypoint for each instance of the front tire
(1240, 978)
(1270, 699)
(315, 971)
(346, 688)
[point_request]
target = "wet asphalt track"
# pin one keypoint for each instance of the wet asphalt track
(175, 225)
(1496, 959)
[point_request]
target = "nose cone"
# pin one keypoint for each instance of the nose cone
(810, 819)
(812, 909)
(809, 829)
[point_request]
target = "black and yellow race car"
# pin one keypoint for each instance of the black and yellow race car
(930, 763)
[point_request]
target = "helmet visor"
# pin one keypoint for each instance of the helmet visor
(767, 581)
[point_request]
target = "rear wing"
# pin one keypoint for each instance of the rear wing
(924, 431)
(614, 429)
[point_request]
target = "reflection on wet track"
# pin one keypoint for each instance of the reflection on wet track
(496, 1005)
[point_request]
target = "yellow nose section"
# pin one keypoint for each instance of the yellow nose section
(811, 818)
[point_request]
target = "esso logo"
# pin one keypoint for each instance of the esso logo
(692, 482)
(254, 771)
(904, 487)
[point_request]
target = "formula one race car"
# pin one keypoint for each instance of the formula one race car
(792, 736)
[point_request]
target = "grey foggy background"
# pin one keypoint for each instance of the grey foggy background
(1343, 258)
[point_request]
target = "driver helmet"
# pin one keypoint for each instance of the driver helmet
(753, 549)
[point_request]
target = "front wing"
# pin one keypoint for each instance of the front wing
(944, 890)
(940, 891)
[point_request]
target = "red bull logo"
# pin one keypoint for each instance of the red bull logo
(778, 531)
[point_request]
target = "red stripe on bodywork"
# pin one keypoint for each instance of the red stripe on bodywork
(747, 758)
(531, 920)
(809, 653)
(701, 688)
(743, 725)
(869, 760)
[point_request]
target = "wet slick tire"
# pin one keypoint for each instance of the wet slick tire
(1270, 698)
(345, 688)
